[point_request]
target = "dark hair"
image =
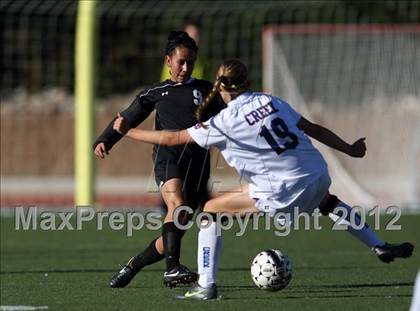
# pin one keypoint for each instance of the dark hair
(233, 76)
(178, 38)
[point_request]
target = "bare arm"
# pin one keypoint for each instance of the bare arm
(327, 137)
(163, 138)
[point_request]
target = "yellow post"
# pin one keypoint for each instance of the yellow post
(84, 103)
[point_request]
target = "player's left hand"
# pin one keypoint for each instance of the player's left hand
(358, 148)
(121, 125)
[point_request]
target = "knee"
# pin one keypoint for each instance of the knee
(173, 201)
(172, 196)
(210, 207)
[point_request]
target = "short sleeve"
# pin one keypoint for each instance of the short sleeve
(215, 133)
(294, 115)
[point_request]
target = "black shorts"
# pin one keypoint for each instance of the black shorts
(193, 170)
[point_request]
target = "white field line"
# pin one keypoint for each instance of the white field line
(22, 308)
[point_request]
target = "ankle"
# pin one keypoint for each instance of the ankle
(134, 264)
(171, 263)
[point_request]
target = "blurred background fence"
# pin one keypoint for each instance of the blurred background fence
(37, 79)
(360, 81)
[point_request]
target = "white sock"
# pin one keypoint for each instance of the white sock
(415, 301)
(209, 250)
(365, 235)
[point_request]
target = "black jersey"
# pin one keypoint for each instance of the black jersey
(175, 105)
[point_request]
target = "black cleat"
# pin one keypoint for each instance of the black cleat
(388, 252)
(179, 275)
(123, 277)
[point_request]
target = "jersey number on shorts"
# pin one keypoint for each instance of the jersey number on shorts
(281, 130)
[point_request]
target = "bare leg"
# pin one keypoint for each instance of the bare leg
(173, 197)
(236, 201)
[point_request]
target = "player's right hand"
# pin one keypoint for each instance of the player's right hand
(121, 125)
(100, 150)
(358, 148)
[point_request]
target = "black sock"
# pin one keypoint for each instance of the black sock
(147, 257)
(171, 244)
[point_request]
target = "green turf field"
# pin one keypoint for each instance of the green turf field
(70, 270)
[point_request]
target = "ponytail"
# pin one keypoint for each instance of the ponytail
(206, 103)
(232, 75)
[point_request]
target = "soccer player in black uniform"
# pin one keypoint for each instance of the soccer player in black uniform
(181, 172)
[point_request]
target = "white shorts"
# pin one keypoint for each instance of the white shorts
(306, 202)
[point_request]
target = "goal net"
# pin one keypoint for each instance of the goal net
(359, 81)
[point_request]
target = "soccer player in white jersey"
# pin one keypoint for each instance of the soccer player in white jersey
(267, 142)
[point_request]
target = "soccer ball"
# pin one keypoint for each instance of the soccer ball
(271, 270)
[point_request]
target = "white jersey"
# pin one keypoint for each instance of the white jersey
(258, 135)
